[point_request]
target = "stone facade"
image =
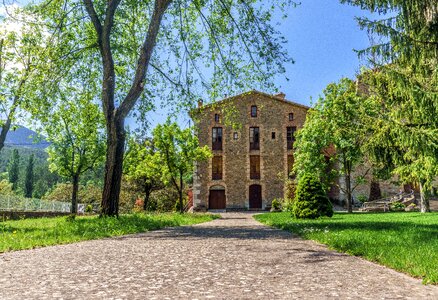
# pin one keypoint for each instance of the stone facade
(233, 115)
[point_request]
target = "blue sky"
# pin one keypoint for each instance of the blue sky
(321, 37)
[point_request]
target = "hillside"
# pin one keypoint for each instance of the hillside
(24, 137)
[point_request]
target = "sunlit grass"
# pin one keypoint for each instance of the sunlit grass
(31, 233)
(407, 242)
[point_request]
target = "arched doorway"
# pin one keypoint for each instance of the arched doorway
(255, 196)
(217, 199)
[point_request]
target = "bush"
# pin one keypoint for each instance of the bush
(276, 205)
(397, 206)
(288, 205)
(311, 201)
(362, 198)
(163, 200)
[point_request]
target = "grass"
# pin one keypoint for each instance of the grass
(31, 233)
(407, 242)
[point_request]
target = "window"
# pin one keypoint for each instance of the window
(254, 138)
(290, 165)
(273, 135)
(217, 138)
(291, 116)
(236, 136)
(216, 118)
(290, 136)
(216, 168)
(254, 111)
(254, 166)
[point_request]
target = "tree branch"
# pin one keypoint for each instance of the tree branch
(138, 84)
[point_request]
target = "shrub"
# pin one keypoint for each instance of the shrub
(311, 201)
(397, 206)
(362, 198)
(89, 209)
(276, 205)
(288, 205)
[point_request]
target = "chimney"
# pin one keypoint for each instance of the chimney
(200, 102)
(281, 95)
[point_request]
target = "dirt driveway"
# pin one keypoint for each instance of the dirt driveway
(231, 258)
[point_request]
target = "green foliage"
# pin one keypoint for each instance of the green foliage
(397, 206)
(407, 242)
(88, 193)
(141, 169)
(163, 200)
(29, 182)
(276, 204)
(362, 198)
(337, 128)
(13, 169)
(403, 82)
(31, 233)
(89, 209)
(74, 129)
(6, 188)
(311, 200)
(177, 150)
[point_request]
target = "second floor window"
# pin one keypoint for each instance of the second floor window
(254, 166)
(216, 168)
(254, 111)
(216, 138)
(216, 118)
(290, 135)
(254, 138)
(291, 116)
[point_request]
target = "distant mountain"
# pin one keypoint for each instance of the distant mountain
(24, 137)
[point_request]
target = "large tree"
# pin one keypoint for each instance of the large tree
(336, 122)
(164, 49)
(177, 150)
(404, 80)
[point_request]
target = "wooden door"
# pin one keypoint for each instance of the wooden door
(255, 196)
(217, 199)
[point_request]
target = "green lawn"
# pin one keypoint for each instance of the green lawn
(407, 242)
(31, 233)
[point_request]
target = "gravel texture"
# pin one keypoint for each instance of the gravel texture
(230, 258)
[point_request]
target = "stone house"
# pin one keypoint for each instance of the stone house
(251, 136)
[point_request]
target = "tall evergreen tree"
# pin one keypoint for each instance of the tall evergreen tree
(404, 81)
(14, 169)
(28, 184)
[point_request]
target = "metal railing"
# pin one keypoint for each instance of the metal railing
(14, 203)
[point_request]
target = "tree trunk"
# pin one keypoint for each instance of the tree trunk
(181, 188)
(113, 168)
(348, 190)
(74, 196)
(424, 200)
(375, 192)
(147, 192)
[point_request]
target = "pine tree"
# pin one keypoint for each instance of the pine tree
(404, 81)
(13, 169)
(28, 185)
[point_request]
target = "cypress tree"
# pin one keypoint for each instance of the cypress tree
(13, 169)
(28, 185)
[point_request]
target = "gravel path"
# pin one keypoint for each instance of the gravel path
(230, 258)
